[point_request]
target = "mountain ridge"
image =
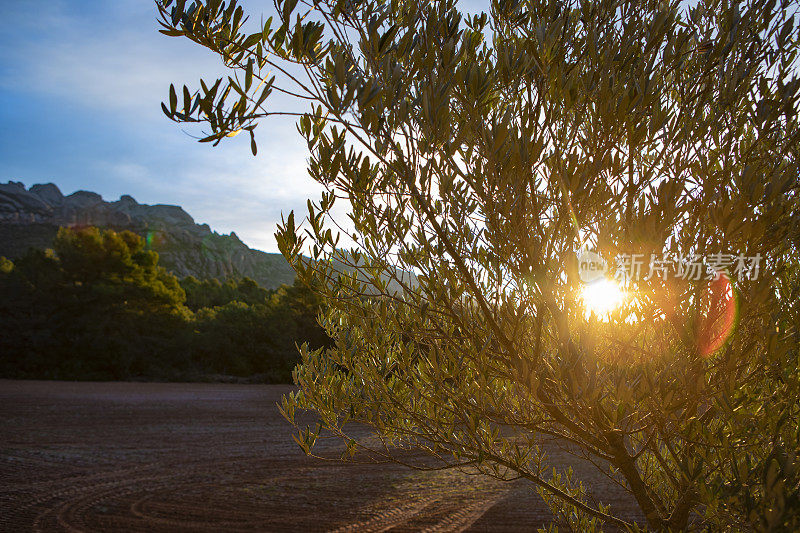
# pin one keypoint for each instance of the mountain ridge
(30, 218)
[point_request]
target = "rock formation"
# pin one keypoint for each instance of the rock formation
(31, 217)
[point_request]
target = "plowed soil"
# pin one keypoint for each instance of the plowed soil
(206, 457)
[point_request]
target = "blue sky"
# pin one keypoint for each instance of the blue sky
(81, 84)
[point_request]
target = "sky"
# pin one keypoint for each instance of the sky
(81, 83)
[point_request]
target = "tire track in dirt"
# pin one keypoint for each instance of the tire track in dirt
(465, 517)
(81, 498)
(71, 514)
(147, 507)
(388, 519)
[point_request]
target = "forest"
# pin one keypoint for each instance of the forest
(97, 306)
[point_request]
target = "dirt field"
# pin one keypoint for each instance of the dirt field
(205, 457)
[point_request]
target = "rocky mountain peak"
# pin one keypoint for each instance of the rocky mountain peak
(31, 218)
(126, 200)
(84, 198)
(48, 192)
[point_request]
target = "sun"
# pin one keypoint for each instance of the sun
(602, 297)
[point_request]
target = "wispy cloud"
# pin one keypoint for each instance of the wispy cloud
(88, 78)
(114, 60)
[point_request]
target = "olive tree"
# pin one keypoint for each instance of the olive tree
(475, 154)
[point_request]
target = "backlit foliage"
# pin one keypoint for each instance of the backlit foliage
(477, 153)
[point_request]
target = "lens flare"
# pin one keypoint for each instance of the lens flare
(154, 239)
(602, 297)
(719, 315)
